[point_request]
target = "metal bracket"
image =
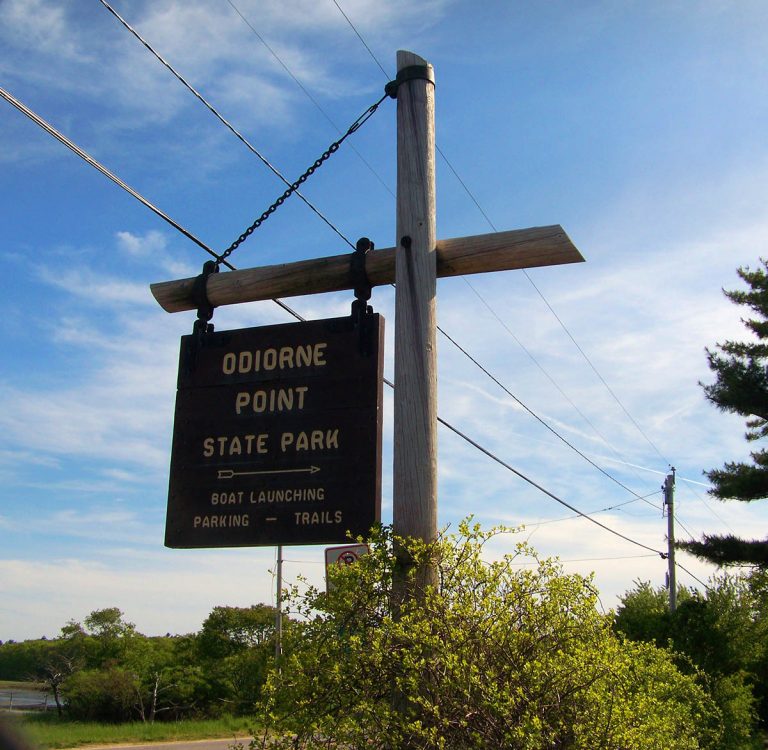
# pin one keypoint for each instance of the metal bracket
(204, 314)
(361, 310)
(409, 73)
(200, 298)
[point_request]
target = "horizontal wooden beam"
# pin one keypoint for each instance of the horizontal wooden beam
(482, 253)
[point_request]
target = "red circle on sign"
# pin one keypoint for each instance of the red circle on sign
(347, 558)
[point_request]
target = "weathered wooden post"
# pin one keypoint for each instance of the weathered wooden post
(415, 415)
(414, 263)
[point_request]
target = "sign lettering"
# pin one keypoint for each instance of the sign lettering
(277, 435)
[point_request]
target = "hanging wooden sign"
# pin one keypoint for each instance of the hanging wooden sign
(277, 435)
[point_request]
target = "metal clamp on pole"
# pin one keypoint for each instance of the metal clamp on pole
(204, 314)
(200, 298)
(410, 73)
(361, 310)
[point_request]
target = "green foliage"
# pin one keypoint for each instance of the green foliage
(727, 549)
(741, 387)
(106, 624)
(19, 661)
(722, 635)
(104, 670)
(231, 630)
(101, 694)
(236, 645)
(163, 685)
(644, 614)
(493, 656)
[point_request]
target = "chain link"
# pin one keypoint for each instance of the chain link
(293, 187)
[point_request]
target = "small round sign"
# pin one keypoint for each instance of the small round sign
(348, 557)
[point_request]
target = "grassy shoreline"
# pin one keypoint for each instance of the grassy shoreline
(21, 685)
(49, 732)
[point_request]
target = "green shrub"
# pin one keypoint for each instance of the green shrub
(493, 655)
(101, 695)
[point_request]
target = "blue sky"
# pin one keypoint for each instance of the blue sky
(639, 127)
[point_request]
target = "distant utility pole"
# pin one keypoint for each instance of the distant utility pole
(279, 604)
(669, 501)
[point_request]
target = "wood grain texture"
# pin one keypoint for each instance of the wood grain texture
(414, 497)
(482, 253)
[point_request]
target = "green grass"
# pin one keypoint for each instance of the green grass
(48, 731)
(18, 685)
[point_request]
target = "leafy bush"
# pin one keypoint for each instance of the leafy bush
(722, 633)
(101, 695)
(493, 655)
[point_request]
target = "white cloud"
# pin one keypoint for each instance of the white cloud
(96, 288)
(146, 246)
(153, 246)
(38, 25)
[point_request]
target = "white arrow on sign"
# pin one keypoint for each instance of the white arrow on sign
(229, 473)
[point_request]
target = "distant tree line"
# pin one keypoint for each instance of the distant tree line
(103, 669)
(496, 656)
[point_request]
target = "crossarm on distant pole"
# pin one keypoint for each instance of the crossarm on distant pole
(482, 253)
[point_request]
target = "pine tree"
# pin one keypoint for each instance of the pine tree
(741, 387)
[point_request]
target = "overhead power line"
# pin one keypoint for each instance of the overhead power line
(101, 168)
(616, 506)
(545, 491)
(222, 120)
(307, 93)
(622, 458)
(695, 578)
(525, 273)
(450, 339)
(41, 123)
(542, 421)
(359, 36)
(559, 319)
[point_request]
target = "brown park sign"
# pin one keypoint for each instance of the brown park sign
(277, 435)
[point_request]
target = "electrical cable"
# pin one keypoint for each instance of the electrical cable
(679, 523)
(545, 491)
(476, 445)
(591, 512)
(586, 559)
(221, 119)
(540, 420)
(483, 369)
(309, 95)
(707, 506)
(527, 276)
(622, 459)
(359, 36)
(552, 310)
(677, 565)
(312, 99)
(595, 370)
(101, 168)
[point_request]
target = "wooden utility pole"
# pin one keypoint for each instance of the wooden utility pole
(279, 604)
(415, 433)
(414, 263)
(669, 502)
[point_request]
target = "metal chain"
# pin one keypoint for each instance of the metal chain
(332, 149)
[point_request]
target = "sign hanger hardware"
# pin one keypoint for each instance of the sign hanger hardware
(410, 73)
(362, 312)
(201, 301)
